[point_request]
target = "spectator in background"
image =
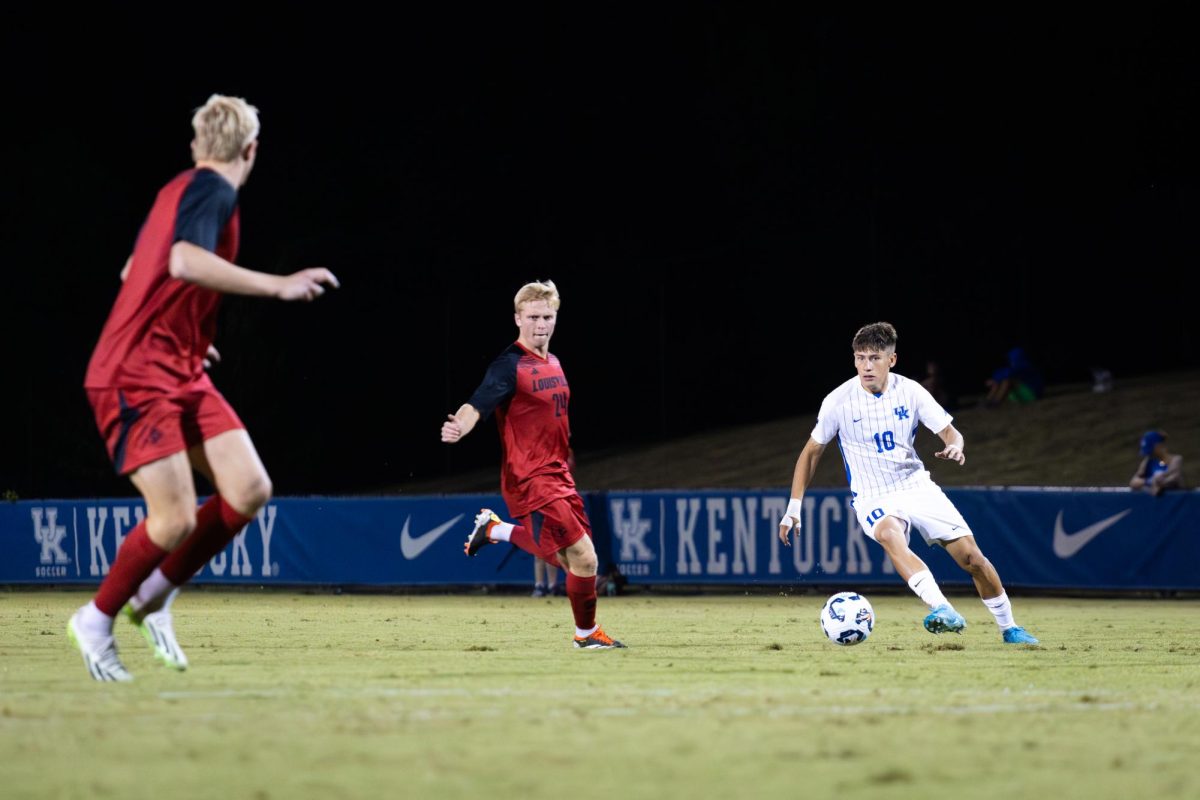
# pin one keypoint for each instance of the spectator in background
(545, 577)
(1159, 469)
(611, 582)
(1019, 382)
(936, 386)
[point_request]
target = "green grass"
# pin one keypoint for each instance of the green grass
(293, 696)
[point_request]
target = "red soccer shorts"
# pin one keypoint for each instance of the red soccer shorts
(557, 525)
(140, 426)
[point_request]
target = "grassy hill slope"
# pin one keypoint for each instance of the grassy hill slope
(1071, 437)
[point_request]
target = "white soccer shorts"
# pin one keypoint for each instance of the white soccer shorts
(925, 508)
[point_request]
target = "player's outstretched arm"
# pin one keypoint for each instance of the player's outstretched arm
(194, 264)
(307, 284)
(460, 423)
(954, 445)
(806, 465)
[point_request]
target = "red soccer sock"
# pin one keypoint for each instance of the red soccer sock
(136, 559)
(217, 523)
(582, 592)
(522, 538)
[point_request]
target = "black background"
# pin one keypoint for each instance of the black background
(723, 195)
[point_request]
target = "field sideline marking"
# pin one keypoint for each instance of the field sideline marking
(388, 691)
(776, 711)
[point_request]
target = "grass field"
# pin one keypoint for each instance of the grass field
(324, 696)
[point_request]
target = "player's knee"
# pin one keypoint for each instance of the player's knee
(263, 489)
(584, 564)
(890, 535)
(172, 527)
(974, 562)
(252, 495)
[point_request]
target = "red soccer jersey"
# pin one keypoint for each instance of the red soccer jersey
(160, 327)
(530, 397)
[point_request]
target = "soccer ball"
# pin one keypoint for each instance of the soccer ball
(847, 618)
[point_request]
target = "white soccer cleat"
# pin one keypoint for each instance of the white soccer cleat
(158, 629)
(485, 520)
(99, 654)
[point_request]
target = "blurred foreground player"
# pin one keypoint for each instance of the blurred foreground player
(155, 406)
(526, 388)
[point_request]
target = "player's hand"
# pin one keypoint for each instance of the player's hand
(306, 285)
(211, 356)
(451, 429)
(785, 528)
(952, 453)
(791, 519)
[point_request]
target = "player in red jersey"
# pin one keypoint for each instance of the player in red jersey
(526, 388)
(154, 404)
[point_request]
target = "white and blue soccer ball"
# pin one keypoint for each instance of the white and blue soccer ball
(847, 618)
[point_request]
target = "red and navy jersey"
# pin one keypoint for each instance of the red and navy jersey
(530, 396)
(160, 327)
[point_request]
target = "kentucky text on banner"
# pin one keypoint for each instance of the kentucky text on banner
(1093, 539)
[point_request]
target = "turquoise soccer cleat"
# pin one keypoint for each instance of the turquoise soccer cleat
(945, 619)
(1019, 636)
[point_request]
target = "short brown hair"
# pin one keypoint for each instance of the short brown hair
(876, 337)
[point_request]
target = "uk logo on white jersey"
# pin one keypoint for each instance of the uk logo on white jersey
(876, 432)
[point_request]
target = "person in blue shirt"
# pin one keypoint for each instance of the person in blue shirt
(1159, 469)
(1019, 382)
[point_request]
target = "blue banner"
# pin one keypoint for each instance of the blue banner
(1093, 539)
(1087, 539)
(367, 541)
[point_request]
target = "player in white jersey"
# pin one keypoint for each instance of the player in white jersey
(874, 417)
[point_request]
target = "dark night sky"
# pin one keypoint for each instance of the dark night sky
(723, 196)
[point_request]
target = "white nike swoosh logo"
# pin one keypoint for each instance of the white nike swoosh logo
(413, 546)
(1068, 544)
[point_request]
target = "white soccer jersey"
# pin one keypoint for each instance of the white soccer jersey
(876, 433)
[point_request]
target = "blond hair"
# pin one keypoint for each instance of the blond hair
(224, 126)
(538, 290)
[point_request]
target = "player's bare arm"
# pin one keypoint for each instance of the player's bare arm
(125, 269)
(954, 445)
(806, 465)
(194, 264)
(460, 423)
